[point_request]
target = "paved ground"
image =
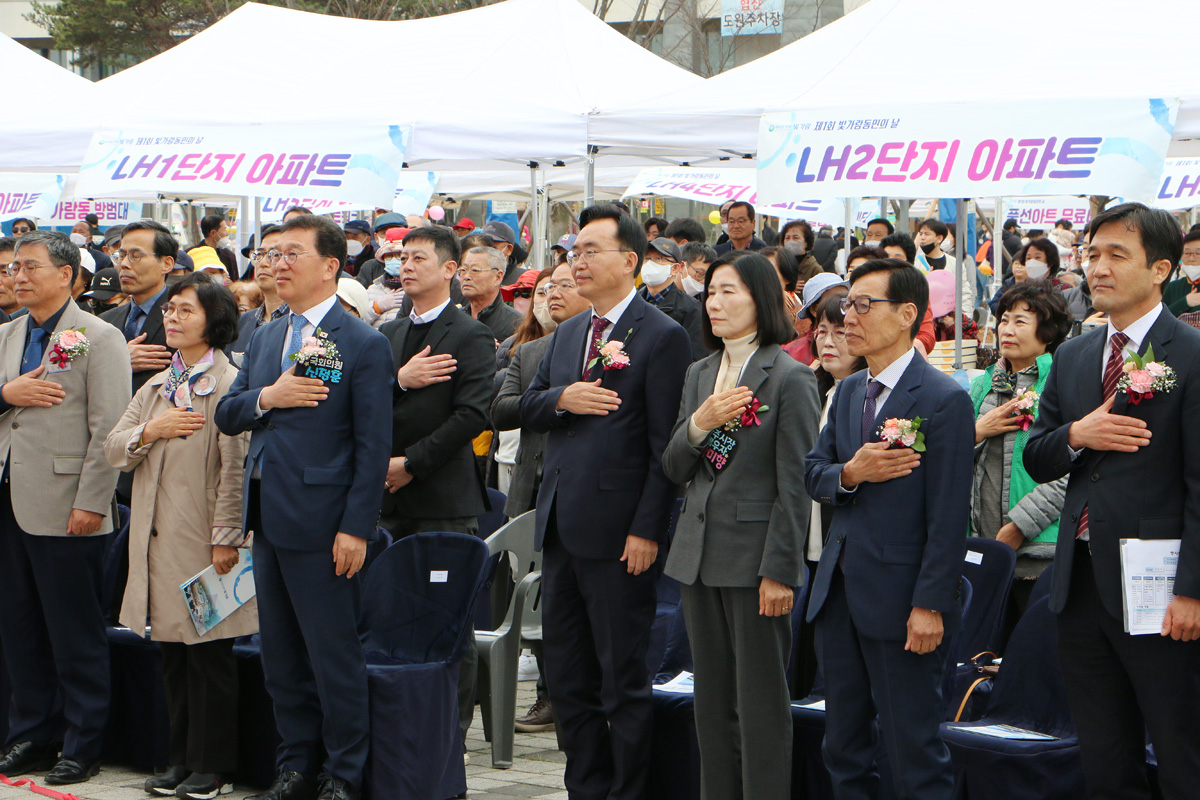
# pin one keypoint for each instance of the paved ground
(536, 772)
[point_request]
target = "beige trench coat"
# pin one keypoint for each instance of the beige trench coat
(182, 489)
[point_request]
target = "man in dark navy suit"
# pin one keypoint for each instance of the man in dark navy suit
(1135, 474)
(318, 455)
(604, 503)
(886, 594)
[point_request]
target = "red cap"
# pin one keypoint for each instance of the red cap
(526, 280)
(395, 234)
(465, 222)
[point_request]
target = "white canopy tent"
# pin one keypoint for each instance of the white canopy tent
(50, 114)
(455, 78)
(871, 55)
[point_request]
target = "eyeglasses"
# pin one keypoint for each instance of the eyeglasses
(739, 220)
(132, 256)
(258, 255)
(14, 269)
(22, 229)
(274, 257)
(835, 335)
(862, 305)
(664, 261)
(562, 286)
(473, 271)
(525, 293)
(181, 312)
(587, 255)
(541, 291)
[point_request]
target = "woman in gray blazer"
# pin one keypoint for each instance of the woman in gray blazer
(747, 419)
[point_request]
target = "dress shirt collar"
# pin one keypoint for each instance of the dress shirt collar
(893, 372)
(616, 311)
(428, 316)
(148, 306)
(314, 315)
(1136, 331)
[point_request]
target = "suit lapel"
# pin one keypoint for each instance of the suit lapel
(757, 368)
(272, 340)
(1159, 337)
(901, 401)
(17, 349)
(441, 326)
(1091, 375)
(706, 380)
(153, 325)
(858, 399)
(399, 339)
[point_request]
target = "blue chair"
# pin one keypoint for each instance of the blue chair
(490, 521)
(1029, 692)
(667, 591)
(415, 626)
(1041, 588)
(989, 565)
(498, 586)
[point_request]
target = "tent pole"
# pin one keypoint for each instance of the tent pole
(960, 234)
(537, 242)
(257, 222)
(589, 177)
(848, 228)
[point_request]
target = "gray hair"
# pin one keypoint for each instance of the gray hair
(496, 259)
(63, 252)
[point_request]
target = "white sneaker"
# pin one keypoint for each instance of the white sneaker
(527, 668)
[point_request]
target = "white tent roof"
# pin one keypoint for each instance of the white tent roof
(458, 78)
(48, 120)
(883, 52)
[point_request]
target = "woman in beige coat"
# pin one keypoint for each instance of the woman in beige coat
(186, 515)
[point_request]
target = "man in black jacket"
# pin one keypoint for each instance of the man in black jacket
(663, 268)
(444, 365)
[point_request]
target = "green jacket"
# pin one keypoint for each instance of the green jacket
(1175, 296)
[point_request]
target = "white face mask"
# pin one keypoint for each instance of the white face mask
(542, 314)
(653, 273)
(1036, 269)
(98, 239)
(871, 243)
(795, 248)
(353, 247)
(223, 241)
(692, 286)
(392, 266)
(725, 227)
(78, 239)
(1192, 271)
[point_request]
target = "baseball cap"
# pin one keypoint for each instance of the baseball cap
(395, 234)
(388, 220)
(500, 232)
(565, 243)
(526, 280)
(360, 225)
(668, 248)
(815, 287)
(105, 285)
(466, 223)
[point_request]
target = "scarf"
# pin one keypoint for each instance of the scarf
(1005, 382)
(183, 379)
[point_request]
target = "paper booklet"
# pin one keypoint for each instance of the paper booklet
(680, 684)
(211, 598)
(1006, 732)
(1147, 582)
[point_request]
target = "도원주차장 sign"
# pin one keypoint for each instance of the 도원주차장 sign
(751, 17)
(358, 164)
(966, 150)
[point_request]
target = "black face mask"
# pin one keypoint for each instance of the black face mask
(928, 248)
(99, 308)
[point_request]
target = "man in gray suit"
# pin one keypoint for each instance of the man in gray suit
(60, 395)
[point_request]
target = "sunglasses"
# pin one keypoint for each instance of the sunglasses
(525, 293)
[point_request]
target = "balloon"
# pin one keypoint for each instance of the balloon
(941, 292)
(437, 213)
(714, 217)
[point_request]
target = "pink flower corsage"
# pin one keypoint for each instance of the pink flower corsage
(612, 354)
(315, 347)
(1144, 377)
(68, 345)
(1026, 407)
(900, 433)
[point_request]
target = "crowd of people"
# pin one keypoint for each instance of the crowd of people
(386, 373)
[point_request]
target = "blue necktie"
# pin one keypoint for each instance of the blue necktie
(296, 342)
(874, 389)
(33, 352)
(131, 322)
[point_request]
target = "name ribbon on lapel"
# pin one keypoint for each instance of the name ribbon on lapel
(718, 448)
(320, 358)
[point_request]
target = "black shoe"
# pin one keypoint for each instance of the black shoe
(25, 757)
(540, 717)
(203, 786)
(336, 789)
(288, 785)
(68, 771)
(163, 783)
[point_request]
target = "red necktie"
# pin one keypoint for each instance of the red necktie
(598, 326)
(1112, 375)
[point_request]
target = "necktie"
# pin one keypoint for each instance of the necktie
(131, 322)
(1112, 375)
(874, 389)
(296, 342)
(33, 352)
(598, 326)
